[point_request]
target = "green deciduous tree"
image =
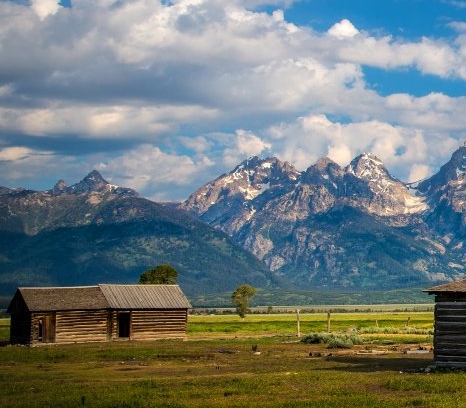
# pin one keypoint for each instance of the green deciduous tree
(240, 299)
(160, 275)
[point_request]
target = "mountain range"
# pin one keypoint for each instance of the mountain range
(328, 228)
(352, 228)
(95, 232)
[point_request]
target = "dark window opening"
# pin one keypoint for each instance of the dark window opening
(124, 320)
(40, 331)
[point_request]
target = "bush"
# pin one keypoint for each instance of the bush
(332, 340)
(395, 330)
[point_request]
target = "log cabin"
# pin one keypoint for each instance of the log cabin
(60, 315)
(450, 324)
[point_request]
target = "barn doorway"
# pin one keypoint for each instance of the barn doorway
(46, 328)
(124, 323)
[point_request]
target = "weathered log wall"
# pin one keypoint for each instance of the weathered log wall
(81, 326)
(450, 334)
(153, 324)
(96, 326)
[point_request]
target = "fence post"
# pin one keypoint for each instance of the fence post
(298, 330)
(328, 322)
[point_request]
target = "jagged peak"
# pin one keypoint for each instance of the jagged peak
(92, 182)
(457, 163)
(321, 171)
(367, 158)
(95, 177)
(59, 187)
(324, 162)
(366, 165)
(322, 165)
(256, 161)
(454, 169)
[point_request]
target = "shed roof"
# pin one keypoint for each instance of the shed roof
(48, 299)
(457, 286)
(145, 297)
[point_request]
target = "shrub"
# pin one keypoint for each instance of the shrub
(332, 340)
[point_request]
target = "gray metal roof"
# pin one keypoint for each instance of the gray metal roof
(145, 297)
(457, 286)
(48, 299)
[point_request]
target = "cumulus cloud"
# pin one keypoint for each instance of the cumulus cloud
(343, 29)
(245, 144)
(199, 143)
(419, 172)
(44, 8)
(315, 136)
(146, 168)
(198, 85)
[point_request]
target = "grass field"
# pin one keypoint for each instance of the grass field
(227, 362)
(286, 324)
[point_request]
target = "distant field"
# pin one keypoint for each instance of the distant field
(4, 330)
(406, 323)
(362, 308)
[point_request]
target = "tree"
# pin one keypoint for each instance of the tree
(160, 275)
(240, 299)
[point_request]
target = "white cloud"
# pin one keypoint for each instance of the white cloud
(419, 172)
(245, 144)
(199, 143)
(343, 29)
(146, 167)
(459, 26)
(44, 8)
(21, 165)
(113, 121)
(340, 153)
(14, 153)
(233, 81)
(309, 138)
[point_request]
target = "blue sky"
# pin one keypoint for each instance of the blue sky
(164, 96)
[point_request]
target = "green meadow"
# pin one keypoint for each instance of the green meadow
(229, 362)
(402, 323)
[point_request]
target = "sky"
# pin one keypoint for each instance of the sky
(165, 96)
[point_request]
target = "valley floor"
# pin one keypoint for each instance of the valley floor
(239, 368)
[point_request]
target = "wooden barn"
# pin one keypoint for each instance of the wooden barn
(450, 324)
(97, 314)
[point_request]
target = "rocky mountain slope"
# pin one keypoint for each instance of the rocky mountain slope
(353, 228)
(94, 232)
(264, 223)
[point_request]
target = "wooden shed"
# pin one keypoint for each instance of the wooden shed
(450, 324)
(97, 314)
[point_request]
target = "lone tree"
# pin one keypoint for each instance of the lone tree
(241, 297)
(160, 275)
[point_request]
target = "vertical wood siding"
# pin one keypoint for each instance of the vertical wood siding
(450, 334)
